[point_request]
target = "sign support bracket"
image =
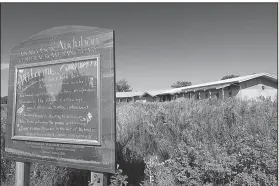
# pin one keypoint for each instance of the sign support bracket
(99, 179)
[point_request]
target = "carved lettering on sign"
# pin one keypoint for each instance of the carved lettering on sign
(61, 49)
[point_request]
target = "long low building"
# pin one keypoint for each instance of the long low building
(133, 96)
(244, 87)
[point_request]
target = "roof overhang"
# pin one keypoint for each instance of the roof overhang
(264, 75)
(212, 87)
(163, 94)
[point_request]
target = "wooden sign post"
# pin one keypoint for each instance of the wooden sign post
(22, 174)
(62, 101)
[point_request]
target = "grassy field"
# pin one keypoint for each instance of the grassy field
(182, 142)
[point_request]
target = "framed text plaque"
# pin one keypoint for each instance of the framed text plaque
(61, 102)
(58, 101)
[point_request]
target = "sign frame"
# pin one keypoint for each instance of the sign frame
(59, 140)
(58, 45)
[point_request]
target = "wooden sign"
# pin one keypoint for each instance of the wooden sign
(62, 99)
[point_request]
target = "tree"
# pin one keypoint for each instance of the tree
(181, 84)
(229, 77)
(123, 86)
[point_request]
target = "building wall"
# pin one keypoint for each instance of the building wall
(217, 93)
(258, 87)
(136, 98)
(214, 93)
(157, 99)
(249, 89)
(148, 98)
(230, 91)
(118, 100)
(165, 97)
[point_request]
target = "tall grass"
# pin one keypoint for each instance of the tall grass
(213, 142)
(190, 142)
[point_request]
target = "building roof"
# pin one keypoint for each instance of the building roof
(165, 92)
(131, 94)
(227, 82)
(128, 94)
(157, 92)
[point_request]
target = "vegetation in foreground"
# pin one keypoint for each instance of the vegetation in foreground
(183, 142)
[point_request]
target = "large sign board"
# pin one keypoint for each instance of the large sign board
(61, 103)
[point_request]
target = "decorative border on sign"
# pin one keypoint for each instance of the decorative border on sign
(60, 140)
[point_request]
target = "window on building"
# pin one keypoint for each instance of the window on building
(230, 93)
(206, 95)
(168, 97)
(217, 95)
